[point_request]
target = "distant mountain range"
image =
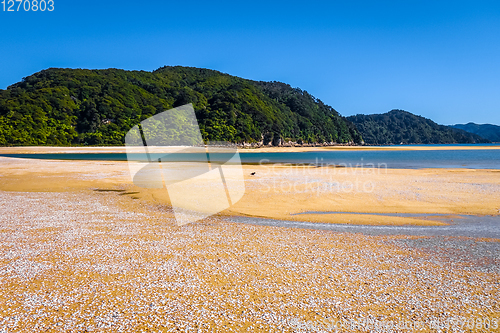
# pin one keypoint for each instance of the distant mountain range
(97, 107)
(402, 127)
(487, 131)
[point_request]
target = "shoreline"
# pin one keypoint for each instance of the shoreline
(122, 149)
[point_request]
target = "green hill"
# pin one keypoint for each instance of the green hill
(98, 107)
(487, 131)
(398, 126)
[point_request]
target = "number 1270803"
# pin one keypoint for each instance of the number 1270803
(27, 5)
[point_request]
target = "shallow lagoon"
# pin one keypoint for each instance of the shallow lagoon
(405, 159)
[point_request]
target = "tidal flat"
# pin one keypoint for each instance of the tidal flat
(83, 249)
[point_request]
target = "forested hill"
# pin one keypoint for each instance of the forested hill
(399, 126)
(487, 131)
(98, 107)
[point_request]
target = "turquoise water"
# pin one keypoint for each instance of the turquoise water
(408, 159)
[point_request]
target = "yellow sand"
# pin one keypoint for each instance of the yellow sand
(103, 262)
(279, 192)
(81, 258)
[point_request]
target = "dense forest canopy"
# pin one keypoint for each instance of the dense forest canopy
(398, 126)
(98, 107)
(487, 131)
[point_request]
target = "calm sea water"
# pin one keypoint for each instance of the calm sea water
(408, 159)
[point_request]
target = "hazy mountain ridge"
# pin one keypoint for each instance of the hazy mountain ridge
(398, 126)
(98, 107)
(487, 131)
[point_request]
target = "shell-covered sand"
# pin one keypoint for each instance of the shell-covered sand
(84, 262)
(82, 249)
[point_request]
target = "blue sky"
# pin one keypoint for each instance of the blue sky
(438, 59)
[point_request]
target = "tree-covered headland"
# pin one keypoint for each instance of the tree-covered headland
(98, 107)
(398, 126)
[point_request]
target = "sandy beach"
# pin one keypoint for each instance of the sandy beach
(290, 192)
(55, 150)
(85, 249)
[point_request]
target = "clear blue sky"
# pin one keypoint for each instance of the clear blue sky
(438, 59)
